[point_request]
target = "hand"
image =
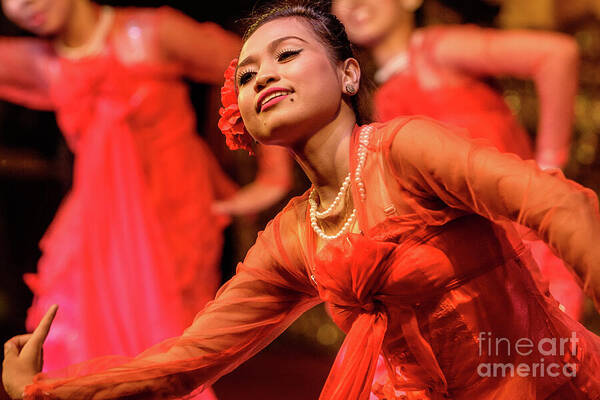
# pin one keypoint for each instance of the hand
(23, 357)
(251, 199)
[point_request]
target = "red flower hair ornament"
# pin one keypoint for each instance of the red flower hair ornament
(230, 123)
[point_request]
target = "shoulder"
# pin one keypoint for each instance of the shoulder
(439, 31)
(135, 16)
(166, 14)
(145, 20)
(282, 233)
(416, 139)
(292, 215)
(147, 12)
(168, 17)
(134, 34)
(410, 128)
(427, 40)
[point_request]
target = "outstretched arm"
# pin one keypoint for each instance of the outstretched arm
(431, 160)
(550, 59)
(273, 181)
(203, 48)
(25, 66)
(264, 297)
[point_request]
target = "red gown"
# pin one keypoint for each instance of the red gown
(426, 81)
(134, 250)
(434, 265)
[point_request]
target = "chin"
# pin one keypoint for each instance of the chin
(47, 33)
(365, 39)
(52, 29)
(47, 30)
(283, 134)
(273, 137)
(273, 126)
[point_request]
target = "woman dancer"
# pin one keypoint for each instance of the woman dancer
(413, 255)
(134, 250)
(438, 72)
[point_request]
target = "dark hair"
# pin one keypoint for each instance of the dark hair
(330, 31)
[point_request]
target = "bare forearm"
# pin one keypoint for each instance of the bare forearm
(24, 77)
(556, 83)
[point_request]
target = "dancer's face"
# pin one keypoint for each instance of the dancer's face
(285, 58)
(41, 17)
(367, 22)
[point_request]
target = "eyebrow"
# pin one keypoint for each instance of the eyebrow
(272, 46)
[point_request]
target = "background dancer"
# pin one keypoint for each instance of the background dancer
(134, 250)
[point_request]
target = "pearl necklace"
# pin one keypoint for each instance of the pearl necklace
(363, 142)
(338, 198)
(95, 43)
(398, 63)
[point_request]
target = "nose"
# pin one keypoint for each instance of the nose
(266, 76)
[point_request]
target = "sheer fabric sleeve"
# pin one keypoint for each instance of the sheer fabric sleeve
(25, 72)
(550, 59)
(432, 162)
(256, 305)
(203, 49)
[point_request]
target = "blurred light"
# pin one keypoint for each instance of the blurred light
(134, 32)
(327, 334)
(586, 149)
(513, 100)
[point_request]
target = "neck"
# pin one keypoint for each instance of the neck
(81, 23)
(324, 157)
(396, 41)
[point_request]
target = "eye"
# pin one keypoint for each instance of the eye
(286, 54)
(245, 77)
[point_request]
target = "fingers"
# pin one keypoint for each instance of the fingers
(19, 341)
(13, 346)
(10, 350)
(41, 332)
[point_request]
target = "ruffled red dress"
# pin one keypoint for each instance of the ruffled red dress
(431, 275)
(419, 83)
(134, 249)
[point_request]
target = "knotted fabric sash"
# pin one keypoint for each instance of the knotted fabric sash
(363, 280)
(354, 368)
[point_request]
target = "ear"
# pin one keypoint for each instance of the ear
(350, 77)
(411, 5)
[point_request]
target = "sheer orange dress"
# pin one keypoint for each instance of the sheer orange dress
(134, 249)
(442, 76)
(433, 263)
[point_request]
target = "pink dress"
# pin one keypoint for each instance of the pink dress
(431, 80)
(436, 265)
(134, 250)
